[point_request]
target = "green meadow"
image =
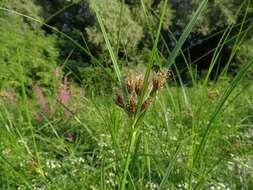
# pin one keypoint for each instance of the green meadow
(127, 95)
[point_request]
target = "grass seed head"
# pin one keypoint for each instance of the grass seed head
(146, 104)
(159, 80)
(134, 87)
(138, 85)
(64, 94)
(132, 105)
(130, 85)
(119, 100)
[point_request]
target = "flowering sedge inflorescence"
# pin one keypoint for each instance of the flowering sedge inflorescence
(133, 86)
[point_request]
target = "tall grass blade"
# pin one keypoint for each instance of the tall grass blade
(59, 12)
(238, 40)
(150, 62)
(108, 44)
(222, 43)
(217, 52)
(171, 60)
(169, 168)
(219, 106)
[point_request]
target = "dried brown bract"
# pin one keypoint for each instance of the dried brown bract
(138, 85)
(130, 85)
(119, 100)
(132, 105)
(146, 104)
(159, 80)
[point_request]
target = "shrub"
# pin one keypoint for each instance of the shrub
(96, 80)
(23, 47)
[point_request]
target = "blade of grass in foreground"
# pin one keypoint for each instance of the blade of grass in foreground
(169, 168)
(219, 106)
(17, 171)
(108, 44)
(139, 116)
(217, 52)
(221, 44)
(171, 60)
(239, 39)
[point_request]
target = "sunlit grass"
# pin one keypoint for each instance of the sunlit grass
(197, 137)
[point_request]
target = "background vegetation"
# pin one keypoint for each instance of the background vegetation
(62, 61)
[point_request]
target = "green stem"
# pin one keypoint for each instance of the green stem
(129, 155)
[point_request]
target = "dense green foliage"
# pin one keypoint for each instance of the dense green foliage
(86, 104)
(217, 15)
(25, 48)
(84, 150)
(131, 26)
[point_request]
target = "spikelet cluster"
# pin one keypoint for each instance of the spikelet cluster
(133, 87)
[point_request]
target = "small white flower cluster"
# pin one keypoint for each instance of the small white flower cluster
(103, 143)
(219, 186)
(111, 179)
(52, 164)
(182, 186)
(36, 186)
(76, 160)
(93, 187)
(151, 185)
(241, 163)
(73, 172)
(6, 151)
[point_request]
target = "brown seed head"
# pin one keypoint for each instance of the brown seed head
(159, 80)
(70, 136)
(130, 85)
(146, 104)
(119, 100)
(132, 105)
(156, 83)
(138, 85)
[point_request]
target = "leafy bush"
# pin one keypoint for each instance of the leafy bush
(26, 7)
(27, 51)
(96, 80)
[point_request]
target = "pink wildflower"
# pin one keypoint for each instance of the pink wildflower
(40, 97)
(64, 95)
